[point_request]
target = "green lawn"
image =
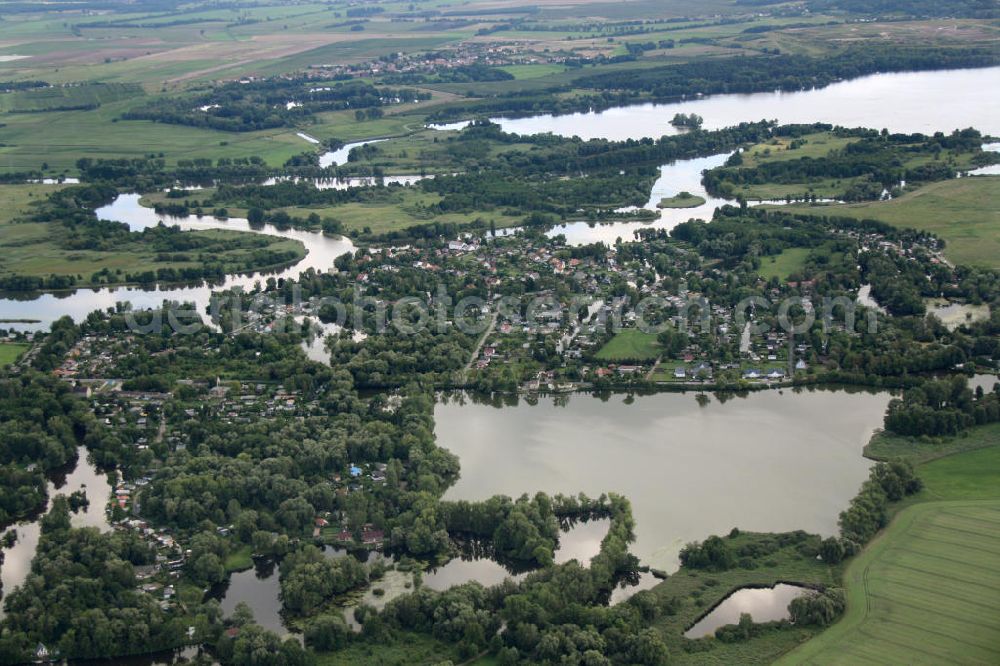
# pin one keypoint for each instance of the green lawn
(630, 345)
(782, 265)
(239, 560)
(963, 212)
(10, 352)
(818, 144)
(886, 446)
(405, 207)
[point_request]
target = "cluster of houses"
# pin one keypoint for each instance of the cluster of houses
(491, 54)
(243, 402)
(91, 356)
(547, 342)
(157, 579)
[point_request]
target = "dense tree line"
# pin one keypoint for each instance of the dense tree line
(941, 407)
(144, 174)
(918, 8)
(460, 74)
(42, 423)
(869, 509)
(870, 166)
(268, 103)
(309, 579)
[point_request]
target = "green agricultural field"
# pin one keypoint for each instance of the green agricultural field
(47, 99)
(532, 71)
(60, 138)
(10, 352)
(962, 211)
(967, 475)
(925, 590)
(782, 265)
(630, 345)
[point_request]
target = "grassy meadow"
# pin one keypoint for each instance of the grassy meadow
(33, 248)
(962, 211)
(783, 265)
(10, 352)
(630, 345)
(400, 208)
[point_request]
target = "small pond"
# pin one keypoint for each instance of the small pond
(764, 604)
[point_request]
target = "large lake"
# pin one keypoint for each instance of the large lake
(764, 462)
(904, 102)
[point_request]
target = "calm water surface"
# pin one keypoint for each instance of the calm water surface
(322, 250)
(906, 102)
(259, 587)
(764, 462)
(80, 475)
(903, 102)
(766, 604)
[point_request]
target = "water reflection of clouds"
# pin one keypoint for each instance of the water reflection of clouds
(769, 462)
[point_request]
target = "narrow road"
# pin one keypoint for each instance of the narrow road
(479, 346)
(656, 364)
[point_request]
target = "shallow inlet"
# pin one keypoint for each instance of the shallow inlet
(78, 475)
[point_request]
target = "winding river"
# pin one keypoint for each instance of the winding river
(322, 250)
(907, 102)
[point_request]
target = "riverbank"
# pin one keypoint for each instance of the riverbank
(42, 255)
